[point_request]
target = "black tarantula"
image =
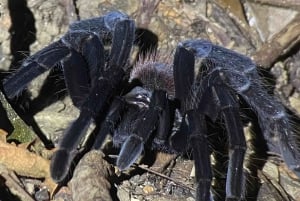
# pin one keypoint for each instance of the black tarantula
(167, 102)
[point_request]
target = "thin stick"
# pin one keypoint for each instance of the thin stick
(143, 167)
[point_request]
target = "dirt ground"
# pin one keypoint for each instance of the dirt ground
(265, 30)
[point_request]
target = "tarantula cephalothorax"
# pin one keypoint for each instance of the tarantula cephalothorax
(97, 80)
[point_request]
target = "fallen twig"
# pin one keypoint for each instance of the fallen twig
(291, 4)
(279, 44)
(166, 177)
(13, 185)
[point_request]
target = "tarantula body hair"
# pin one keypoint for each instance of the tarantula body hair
(168, 106)
(155, 71)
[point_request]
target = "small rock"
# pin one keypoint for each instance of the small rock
(148, 189)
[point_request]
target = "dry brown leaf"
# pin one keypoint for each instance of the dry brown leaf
(24, 162)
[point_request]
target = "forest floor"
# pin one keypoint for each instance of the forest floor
(265, 30)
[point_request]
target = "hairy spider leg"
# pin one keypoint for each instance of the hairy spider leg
(240, 74)
(75, 70)
(108, 79)
(100, 26)
(164, 125)
(197, 137)
(34, 66)
(184, 73)
(112, 118)
(196, 132)
(275, 124)
(52, 55)
(134, 144)
(229, 108)
(219, 99)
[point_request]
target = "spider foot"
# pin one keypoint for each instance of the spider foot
(59, 166)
